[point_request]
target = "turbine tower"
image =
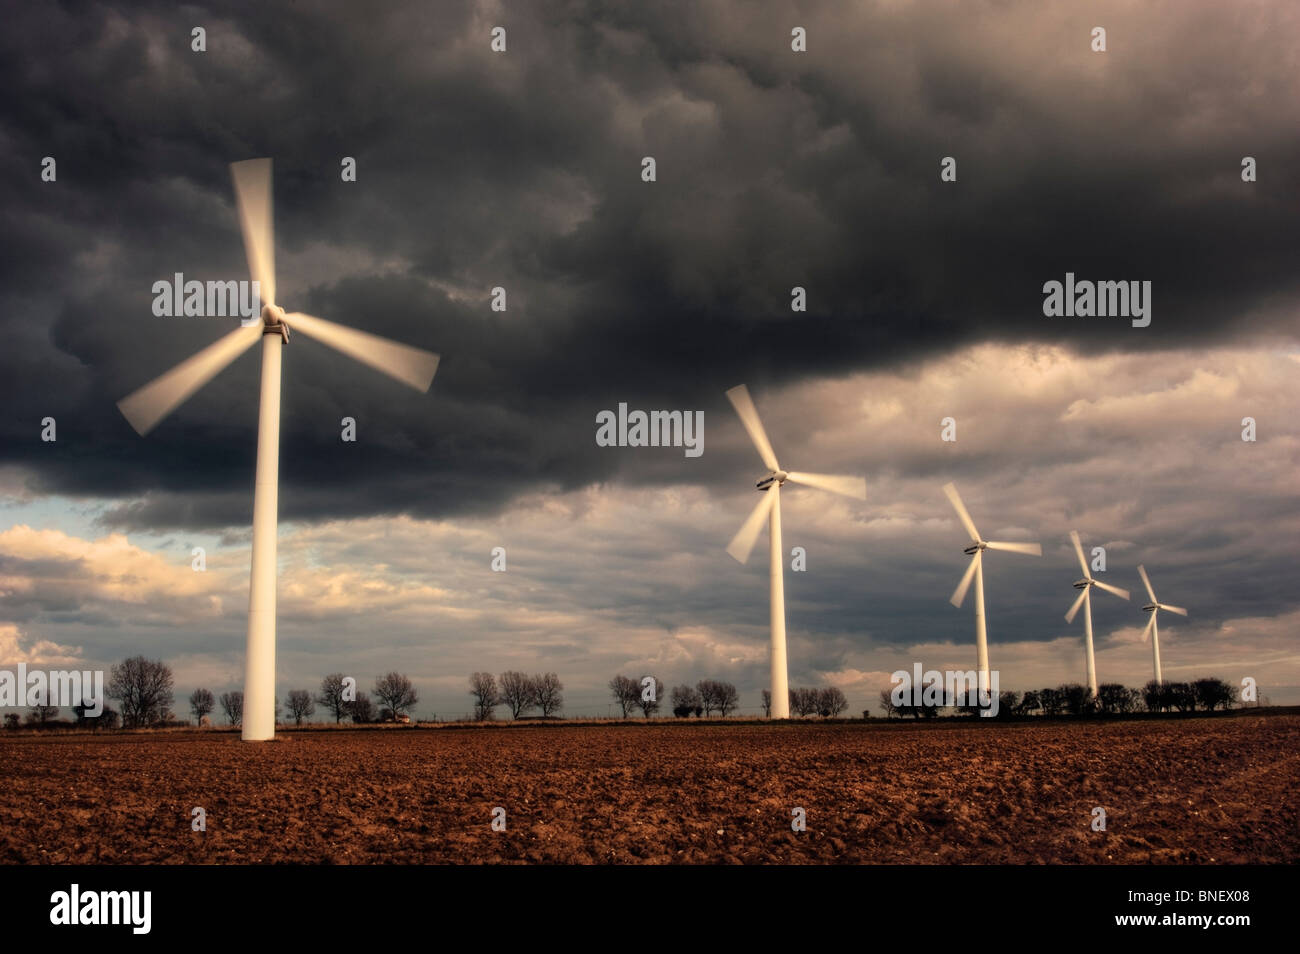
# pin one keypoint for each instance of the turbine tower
(150, 404)
(1153, 628)
(1085, 600)
(769, 508)
(976, 571)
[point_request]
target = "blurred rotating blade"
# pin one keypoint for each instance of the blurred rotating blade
(412, 366)
(147, 406)
(1146, 633)
(252, 180)
(855, 487)
(1173, 609)
(742, 544)
(1146, 581)
(1078, 549)
(1073, 610)
(1033, 549)
(744, 405)
(1118, 591)
(959, 594)
(955, 499)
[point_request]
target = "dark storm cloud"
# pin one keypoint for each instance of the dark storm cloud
(522, 170)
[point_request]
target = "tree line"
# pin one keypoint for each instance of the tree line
(143, 689)
(1112, 698)
(518, 692)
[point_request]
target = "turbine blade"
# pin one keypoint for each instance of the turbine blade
(1118, 591)
(855, 487)
(744, 405)
(1146, 581)
(1073, 611)
(959, 594)
(1078, 549)
(1146, 633)
(252, 179)
(1033, 549)
(145, 407)
(962, 512)
(410, 365)
(1173, 609)
(742, 544)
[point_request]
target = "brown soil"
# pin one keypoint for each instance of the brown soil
(1194, 791)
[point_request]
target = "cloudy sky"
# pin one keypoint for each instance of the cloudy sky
(775, 169)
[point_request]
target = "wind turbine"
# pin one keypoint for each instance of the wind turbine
(1085, 600)
(976, 571)
(150, 404)
(1153, 629)
(769, 508)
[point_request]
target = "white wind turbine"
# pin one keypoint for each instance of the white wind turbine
(976, 571)
(150, 404)
(1085, 600)
(1153, 629)
(769, 508)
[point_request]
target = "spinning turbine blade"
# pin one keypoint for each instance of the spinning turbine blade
(1173, 609)
(742, 544)
(1118, 591)
(855, 487)
(147, 406)
(1033, 549)
(744, 405)
(1146, 581)
(959, 594)
(1078, 549)
(1146, 633)
(1070, 614)
(252, 180)
(411, 366)
(966, 521)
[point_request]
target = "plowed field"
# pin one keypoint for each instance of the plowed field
(1194, 791)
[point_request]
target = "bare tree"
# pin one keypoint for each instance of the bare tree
(831, 702)
(332, 696)
(707, 690)
(727, 698)
(145, 688)
(394, 691)
(1212, 693)
(806, 702)
(626, 693)
(685, 700)
(767, 703)
(887, 704)
(649, 702)
(483, 687)
(202, 703)
(300, 705)
(361, 710)
(41, 714)
(517, 692)
(547, 693)
(232, 704)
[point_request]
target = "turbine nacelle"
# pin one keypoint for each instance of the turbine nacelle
(1151, 607)
(273, 321)
(779, 477)
(1082, 584)
(972, 550)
